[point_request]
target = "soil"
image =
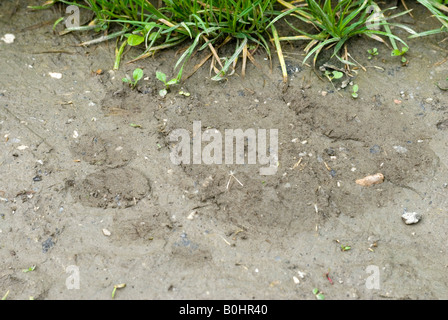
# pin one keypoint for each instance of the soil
(86, 178)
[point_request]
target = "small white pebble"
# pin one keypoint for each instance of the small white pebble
(106, 232)
(8, 38)
(296, 280)
(55, 75)
(192, 215)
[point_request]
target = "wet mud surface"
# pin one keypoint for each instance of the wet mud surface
(86, 153)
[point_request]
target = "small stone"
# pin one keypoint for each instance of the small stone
(400, 149)
(411, 217)
(47, 245)
(8, 38)
(55, 75)
(192, 215)
(106, 232)
(296, 280)
(375, 149)
(371, 180)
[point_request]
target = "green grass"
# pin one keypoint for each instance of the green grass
(247, 26)
(439, 9)
(205, 24)
(337, 22)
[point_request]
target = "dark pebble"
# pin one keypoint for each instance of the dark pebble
(47, 245)
(37, 178)
(375, 149)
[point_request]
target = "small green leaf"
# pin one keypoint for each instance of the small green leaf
(135, 39)
(153, 36)
(395, 52)
(161, 76)
(133, 125)
(355, 88)
(315, 291)
(149, 26)
(320, 296)
(171, 82)
(138, 74)
(126, 80)
(337, 75)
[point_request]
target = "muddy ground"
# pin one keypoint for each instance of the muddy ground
(85, 153)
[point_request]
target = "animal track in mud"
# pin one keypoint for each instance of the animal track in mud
(96, 150)
(112, 188)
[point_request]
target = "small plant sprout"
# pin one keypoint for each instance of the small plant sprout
(373, 52)
(355, 91)
(29, 269)
(345, 247)
(162, 77)
(137, 75)
(117, 286)
(319, 295)
(397, 52)
(333, 75)
(6, 295)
